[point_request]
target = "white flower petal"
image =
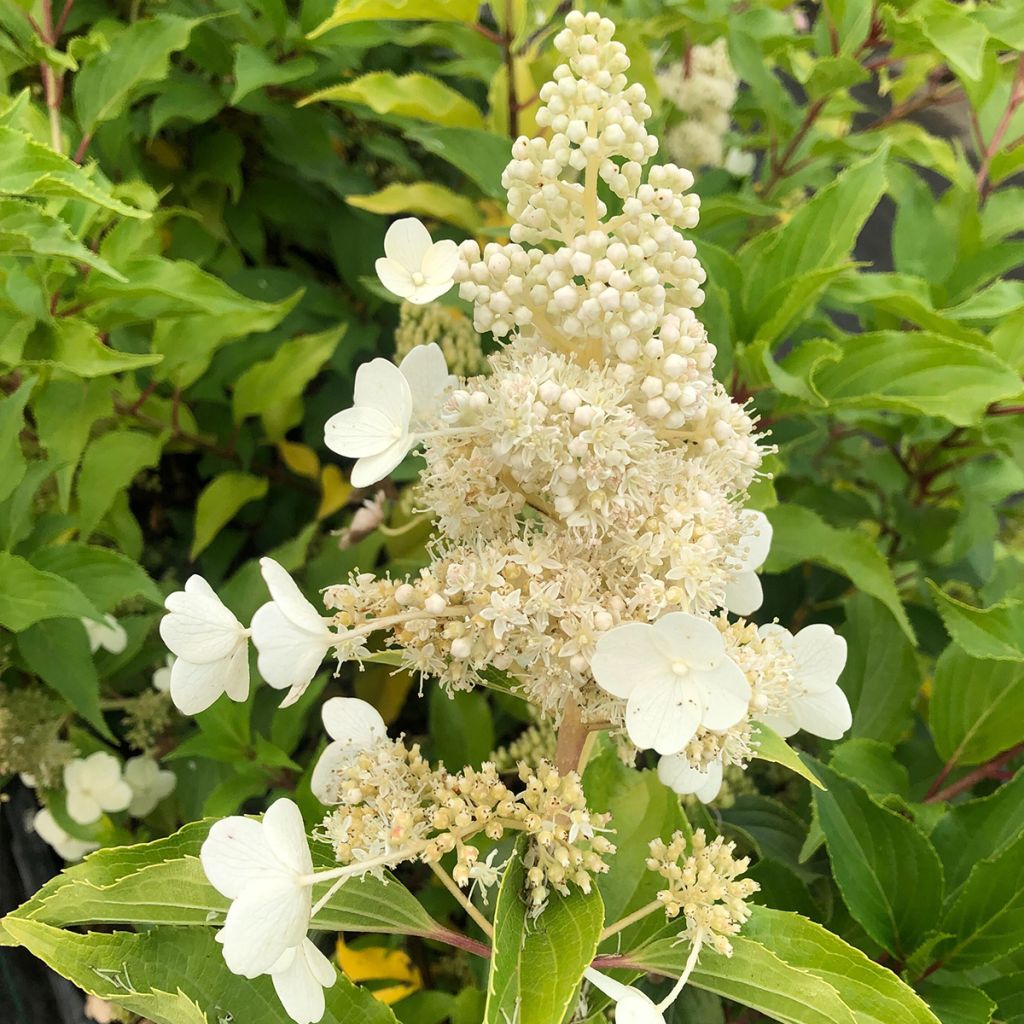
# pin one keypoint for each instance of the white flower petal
(685, 637)
(394, 277)
(439, 263)
(407, 242)
(636, 1008)
(678, 774)
(355, 726)
(262, 923)
(757, 540)
(236, 855)
(662, 716)
(287, 596)
(820, 655)
(373, 468)
(427, 373)
(426, 292)
(826, 714)
(66, 846)
(199, 628)
(380, 385)
(358, 432)
(743, 594)
(609, 986)
(289, 656)
(726, 695)
(116, 797)
(627, 657)
(82, 807)
(713, 783)
(286, 835)
(195, 687)
(300, 980)
(784, 724)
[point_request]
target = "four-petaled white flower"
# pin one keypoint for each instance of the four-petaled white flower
(631, 1005)
(290, 635)
(818, 706)
(108, 634)
(675, 676)
(211, 646)
(743, 593)
(354, 726)
(414, 266)
(94, 785)
(677, 773)
(389, 404)
(300, 977)
(264, 868)
(67, 846)
(162, 675)
(149, 784)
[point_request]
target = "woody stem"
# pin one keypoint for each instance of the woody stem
(461, 898)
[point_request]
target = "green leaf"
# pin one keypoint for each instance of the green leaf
(422, 197)
(537, 964)
(768, 745)
(348, 11)
(461, 728)
(481, 156)
(418, 96)
(820, 234)
(12, 458)
(881, 676)
(957, 36)
(958, 1004)
(916, 372)
(986, 919)
(168, 974)
(996, 632)
(273, 389)
(801, 535)
(106, 577)
(26, 229)
(790, 301)
(255, 69)
(888, 873)
(109, 466)
(220, 502)
(977, 706)
(978, 829)
(184, 97)
(111, 80)
(73, 344)
(57, 651)
(28, 596)
(28, 168)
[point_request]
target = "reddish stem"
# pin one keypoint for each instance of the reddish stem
(990, 769)
(1015, 100)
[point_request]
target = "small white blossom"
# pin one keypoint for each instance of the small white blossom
(290, 635)
(674, 676)
(149, 784)
(816, 704)
(743, 593)
(162, 675)
(300, 977)
(678, 774)
(263, 867)
(108, 634)
(631, 1005)
(414, 266)
(94, 785)
(354, 726)
(426, 373)
(211, 646)
(67, 846)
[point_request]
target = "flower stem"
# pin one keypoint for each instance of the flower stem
(463, 901)
(572, 735)
(623, 923)
(691, 962)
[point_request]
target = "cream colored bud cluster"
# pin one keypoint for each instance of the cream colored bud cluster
(566, 846)
(704, 87)
(446, 327)
(704, 886)
(392, 805)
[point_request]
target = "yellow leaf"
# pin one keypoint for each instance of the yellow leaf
(348, 11)
(375, 963)
(335, 491)
(422, 197)
(299, 458)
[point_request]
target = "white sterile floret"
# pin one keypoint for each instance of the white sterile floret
(375, 431)
(675, 676)
(816, 703)
(162, 676)
(631, 1005)
(108, 634)
(67, 846)
(743, 593)
(290, 635)
(264, 868)
(679, 774)
(149, 784)
(300, 977)
(211, 648)
(354, 726)
(94, 785)
(426, 373)
(414, 266)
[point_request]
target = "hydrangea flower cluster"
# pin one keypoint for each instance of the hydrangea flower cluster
(446, 327)
(591, 539)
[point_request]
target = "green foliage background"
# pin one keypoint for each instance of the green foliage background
(192, 195)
